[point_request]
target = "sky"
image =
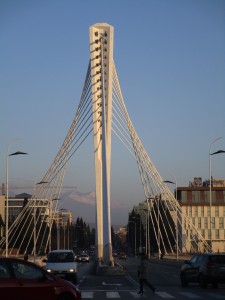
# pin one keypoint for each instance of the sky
(170, 60)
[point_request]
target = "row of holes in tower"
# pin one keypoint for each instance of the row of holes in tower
(101, 50)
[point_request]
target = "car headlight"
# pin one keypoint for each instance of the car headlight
(49, 270)
(71, 270)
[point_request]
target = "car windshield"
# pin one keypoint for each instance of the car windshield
(60, 257)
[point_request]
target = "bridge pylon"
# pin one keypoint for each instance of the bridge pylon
(101, 66)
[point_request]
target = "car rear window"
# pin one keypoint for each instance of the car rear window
(61, 257)
(219, 259)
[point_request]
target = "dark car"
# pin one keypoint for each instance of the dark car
(207, 268)
(122, 255)
(23, 280)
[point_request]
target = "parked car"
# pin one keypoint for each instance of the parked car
(62, 263)
(207, 268)
(23, 280)
(122, 255)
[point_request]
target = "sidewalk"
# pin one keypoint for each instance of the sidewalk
(171, 260)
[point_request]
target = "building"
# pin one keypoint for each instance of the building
(41, 209)
(195, 203)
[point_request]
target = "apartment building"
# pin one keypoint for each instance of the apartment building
(195, 203)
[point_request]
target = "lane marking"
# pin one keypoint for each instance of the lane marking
(136, 295)
(112, 295)
(189, 295)
(164, 295)
(87, 295)
(115, 284)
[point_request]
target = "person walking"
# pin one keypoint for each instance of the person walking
(25, 256)
(143, 274)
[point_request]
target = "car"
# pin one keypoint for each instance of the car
(24, 280)
(114, 254)
(62, 263)
(204, 269)
(83, 257)
(122, 255)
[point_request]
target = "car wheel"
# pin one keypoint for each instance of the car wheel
(202, 281)
(183, 280)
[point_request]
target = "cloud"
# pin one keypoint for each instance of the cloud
(83, 205)
(84, 198)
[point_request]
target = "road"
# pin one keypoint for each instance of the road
(164, 275)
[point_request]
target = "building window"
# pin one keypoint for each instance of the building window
(217, 234)
(213, 222)
(184, 196)
(206, 194)
(205, 222)
(221, 223)
(199, 223)
(216, 211)
(196, 211)
(195, 196)
(208, 211)
(202, 211)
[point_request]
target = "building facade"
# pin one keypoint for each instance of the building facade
(195, 203)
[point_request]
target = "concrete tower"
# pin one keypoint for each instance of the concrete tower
(101, 66)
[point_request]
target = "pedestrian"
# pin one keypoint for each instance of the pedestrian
(162, 254)
(143, 274)
(25, 257)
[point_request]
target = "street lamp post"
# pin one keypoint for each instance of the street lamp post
(146, 231)
(210, 185)
(159, 251)
(149, 245)
(63, 210)
(140, 247)
(135, 240)
(7, 200)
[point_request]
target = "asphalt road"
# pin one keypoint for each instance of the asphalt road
(163, 274)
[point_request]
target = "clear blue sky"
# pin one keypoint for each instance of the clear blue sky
(170, 59)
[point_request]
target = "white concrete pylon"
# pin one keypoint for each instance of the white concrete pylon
(101, 62)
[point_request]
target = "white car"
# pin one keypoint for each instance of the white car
(62, 264)
(84, 257)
